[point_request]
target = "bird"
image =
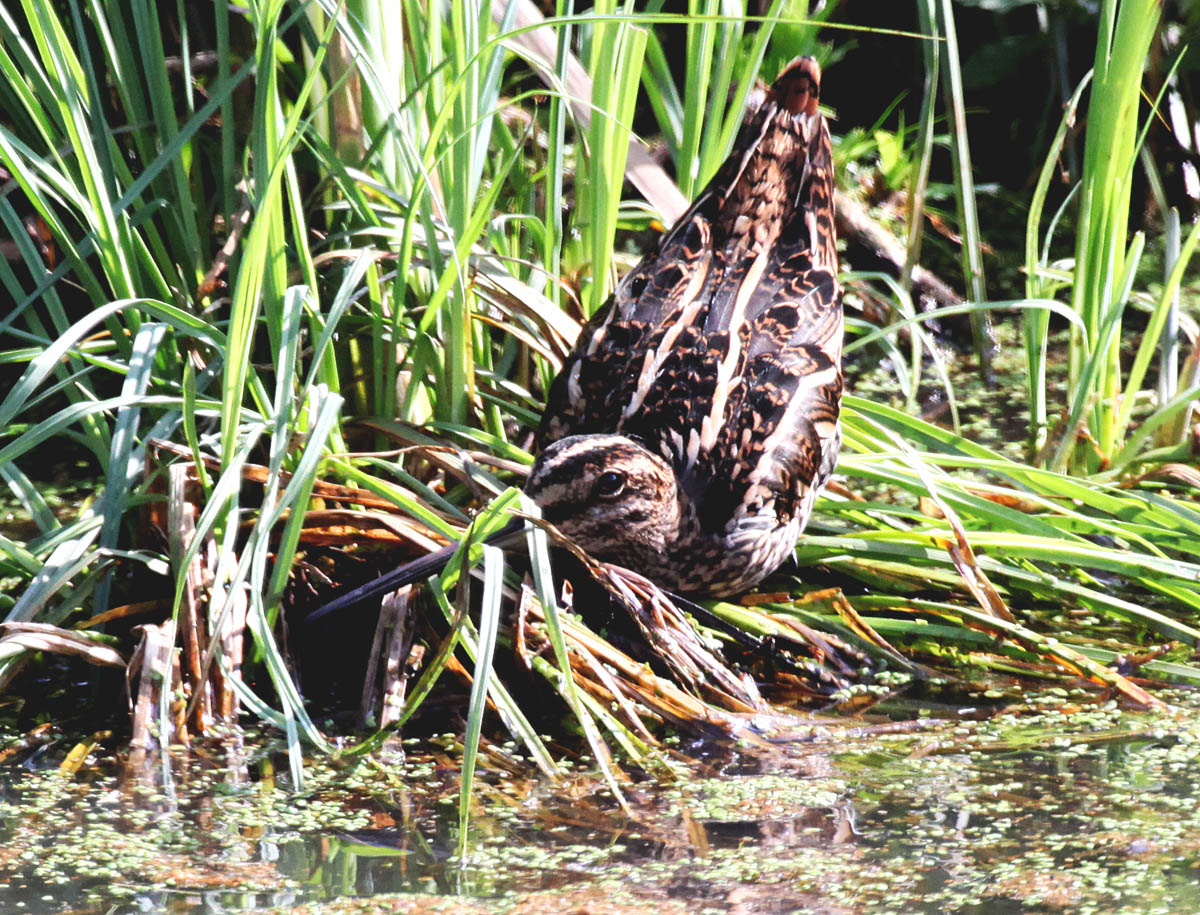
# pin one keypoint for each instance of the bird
(696, 418)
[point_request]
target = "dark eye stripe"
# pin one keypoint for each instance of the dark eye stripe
(570, 466)
(587, 459)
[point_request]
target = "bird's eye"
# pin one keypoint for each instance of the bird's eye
(609, 484)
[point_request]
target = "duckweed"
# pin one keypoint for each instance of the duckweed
(1054, 802)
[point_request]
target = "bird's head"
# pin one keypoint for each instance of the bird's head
(610, 495)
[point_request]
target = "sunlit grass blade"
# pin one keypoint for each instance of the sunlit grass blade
(964, 185)
(1109, 156)
(1035, 326)
(539, 553)
(489, 625)
(615, 65)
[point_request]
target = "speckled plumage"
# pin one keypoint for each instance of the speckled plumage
(709, 385)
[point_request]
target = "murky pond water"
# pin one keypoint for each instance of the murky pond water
(1057, 802)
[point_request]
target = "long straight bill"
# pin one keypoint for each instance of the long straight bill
(409, 573)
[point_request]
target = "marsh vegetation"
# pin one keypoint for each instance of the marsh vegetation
(288, 283)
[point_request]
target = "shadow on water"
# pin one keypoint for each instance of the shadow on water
(1056, 802)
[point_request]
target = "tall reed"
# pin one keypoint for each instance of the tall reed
(1104, 258)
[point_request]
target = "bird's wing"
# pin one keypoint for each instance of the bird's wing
(721, 349)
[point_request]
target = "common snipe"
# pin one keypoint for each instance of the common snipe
(696, 419)
(694, 423)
